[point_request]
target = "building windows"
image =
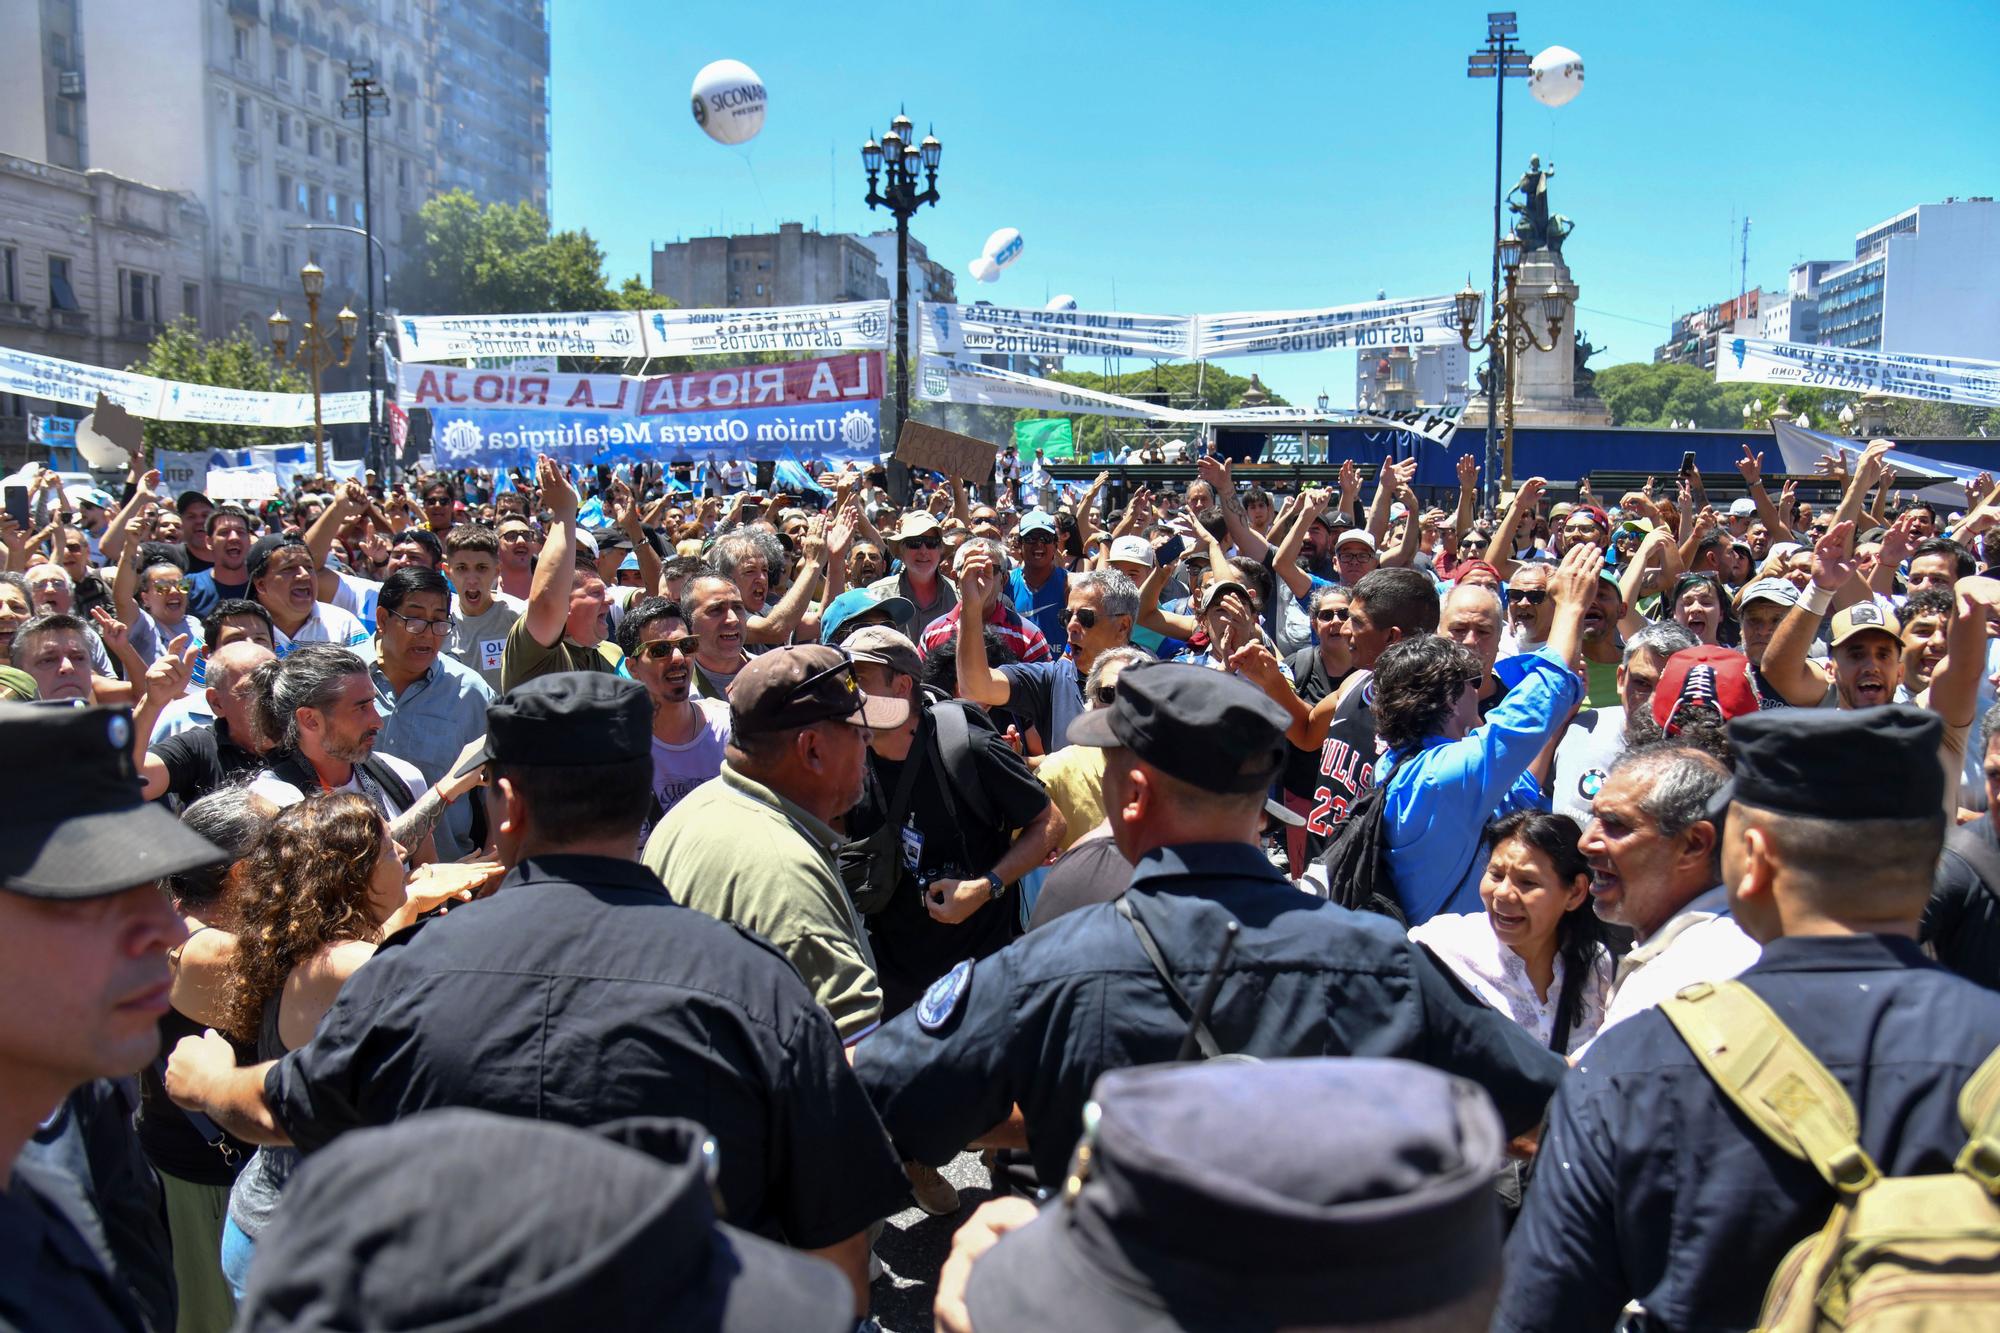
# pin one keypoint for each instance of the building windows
(248, 240)
(287, 258)
(243, 43)
(403, 172)
(191, 301)
(65, 119)
(139, 296)
(312, 193)
(360, 214)
(242, 112)
(299, 198)
(246, 179)
(284, 131)
(333, 205)
(312, 77)
(10, 289)
(61, 295)
(339, 150)
(284, 191)
(312, 141)
(281, 63)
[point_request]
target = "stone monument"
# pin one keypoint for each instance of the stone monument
(1550, 388)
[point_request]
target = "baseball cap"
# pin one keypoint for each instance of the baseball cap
(76, 824)
(1036, 521)
(1356, 537)
(1743, 508)
(1860, 619)
(1779, 591)
(885, 645)
(608, 1227)
(1838, 763)
(93, 496)
(916, 523)
(1132, 551)
(1208, 728)
(1174, 1185)
(586, 541)
(1215, 592)
(796, 687)
(569, 718)
(858, 602)
(1715, 676)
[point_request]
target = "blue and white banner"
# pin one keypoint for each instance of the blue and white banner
(189, 471)
(55, 380)
(851, 326)
(834, 431)
(983, 330)
(1942, 379)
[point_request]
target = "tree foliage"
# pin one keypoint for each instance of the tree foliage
(1641, 393)
(239, 361)
(501, 259)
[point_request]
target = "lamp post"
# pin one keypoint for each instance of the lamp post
(366, 100)
(898, 161)
(1500, 59)
(314, 353)
(1509, 336)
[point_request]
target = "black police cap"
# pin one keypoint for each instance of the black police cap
(1823, 763)
(570, 718)
(1210, 729)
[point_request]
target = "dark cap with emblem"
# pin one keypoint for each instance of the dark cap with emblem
(1177, 1215)
(1846, 763)
(78, 824)
(608, 1228)
(570, 718)
(1211, 729)
(796, 687)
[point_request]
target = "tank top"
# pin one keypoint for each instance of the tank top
(254, 1196)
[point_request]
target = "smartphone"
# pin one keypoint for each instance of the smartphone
(1170, 550)
(1687, 464)
(16, 498)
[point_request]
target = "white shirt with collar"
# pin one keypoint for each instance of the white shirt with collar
(1701, 942)
(327, 624)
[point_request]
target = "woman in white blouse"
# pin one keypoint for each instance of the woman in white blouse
(1537, 952)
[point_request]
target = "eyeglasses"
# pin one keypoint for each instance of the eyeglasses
(658, 650)
(923, 543)
(1469, 544)
(418, 625)
(1529, 596)
(1083, 616)
(170, 585)
(1331, 615)
(1473, 682)
(1039, 539)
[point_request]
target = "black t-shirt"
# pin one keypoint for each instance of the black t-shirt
(1961, 922)
(944, 838)
(1313, 683)
(201, 759)
(1092, 871)
(1346, 766)
(170, 1141)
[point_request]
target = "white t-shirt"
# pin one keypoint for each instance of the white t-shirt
(327, 624)
(282, 793)
(1584, 756)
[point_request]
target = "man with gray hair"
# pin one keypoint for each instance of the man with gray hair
(1597, 736)
(1022, 637)
(1655, 869)
(747, 557)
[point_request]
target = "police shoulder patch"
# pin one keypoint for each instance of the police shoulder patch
(941, 1001)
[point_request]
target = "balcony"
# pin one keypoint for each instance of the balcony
(139, 330)
(74, 323)
(285, 25)
(245, 9)
(18, 312)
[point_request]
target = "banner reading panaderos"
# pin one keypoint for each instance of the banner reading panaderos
(951, 380)
(827, 407)
(1002, 330)
(1051, 437)
(1941, 379)
(853, 326)
(55, 380)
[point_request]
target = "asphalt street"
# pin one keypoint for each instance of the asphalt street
(913, 1248)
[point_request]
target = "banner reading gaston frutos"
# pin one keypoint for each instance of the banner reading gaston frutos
(825, 408)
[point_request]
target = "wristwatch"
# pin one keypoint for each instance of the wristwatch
(996, 889)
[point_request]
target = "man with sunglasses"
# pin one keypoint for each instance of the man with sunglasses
(920, 583)
(1039, 589)
(690, 734)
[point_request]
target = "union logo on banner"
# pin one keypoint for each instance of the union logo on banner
(459, 439)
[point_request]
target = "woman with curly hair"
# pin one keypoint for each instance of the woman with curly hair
(319, 891)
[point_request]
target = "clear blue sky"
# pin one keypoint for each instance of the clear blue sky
(1178, 157)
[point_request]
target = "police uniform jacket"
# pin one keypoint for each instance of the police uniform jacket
(1650, 1185)
(579, 993)
(1035, 1024)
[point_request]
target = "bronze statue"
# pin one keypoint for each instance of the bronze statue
(1535, 226)
(1584, 376)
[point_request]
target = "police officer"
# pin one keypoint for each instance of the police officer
(1666, 1194)
(84, 940)
(579, 992)
(1026, 1032)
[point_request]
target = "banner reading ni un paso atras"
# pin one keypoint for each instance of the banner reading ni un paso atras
(854, 326)
(1001, 330)
(1940, 379)
(826, 408)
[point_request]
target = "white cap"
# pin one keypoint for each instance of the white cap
(586, 540)
(1743, 508)
(1356, 537)
(1132, 551)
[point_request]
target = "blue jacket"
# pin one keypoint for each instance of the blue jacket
(1442, 795)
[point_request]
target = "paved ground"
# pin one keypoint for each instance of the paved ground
(913, 1247)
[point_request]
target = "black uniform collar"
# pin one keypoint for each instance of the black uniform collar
(1163, 869)
(1841, 953)
(595, 872)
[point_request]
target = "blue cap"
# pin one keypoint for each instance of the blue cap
(631, 561)
(856, 601)
(1036, 521)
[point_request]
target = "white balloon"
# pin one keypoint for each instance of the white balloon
(1063, 302)
(1003, 247)
(728, 101)
(984, 269)
(1555, 76)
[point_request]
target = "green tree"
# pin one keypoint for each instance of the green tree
(239, 361)
(499, 259)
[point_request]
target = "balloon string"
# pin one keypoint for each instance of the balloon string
(755, 184)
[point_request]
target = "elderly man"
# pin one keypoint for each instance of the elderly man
(54, 648)
(919, 544)
(283, 581)
(1470, 618)
(1022, 636)
(755, 845)
(1652, 847)
(195, 760)
(85, 931)
(432, 705)
(54, 591)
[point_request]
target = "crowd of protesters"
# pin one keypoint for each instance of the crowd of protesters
(624, 853)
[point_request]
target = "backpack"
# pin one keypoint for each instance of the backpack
(1913, 1253)
(1357, 862)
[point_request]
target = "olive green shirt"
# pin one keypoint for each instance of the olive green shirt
(524, 659)
(737, 850)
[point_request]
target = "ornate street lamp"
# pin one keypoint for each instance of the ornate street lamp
(894, 167)
(1509, 336)
(314, 353)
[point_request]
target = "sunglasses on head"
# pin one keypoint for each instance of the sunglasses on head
(1083, 616)
(658, 650)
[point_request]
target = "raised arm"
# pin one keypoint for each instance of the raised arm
(1285, 561)
(1954, 693)
(548, 592)
(1468, 498)
(1413, 522)
(1170, 623)
(1500, 551)
(1785, 666)
(1751, 465)
(784, 618)
(114, 542)
(977, 587)
(1250, 543)
(349, 502)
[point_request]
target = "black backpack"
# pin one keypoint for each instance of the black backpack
(1356, 861)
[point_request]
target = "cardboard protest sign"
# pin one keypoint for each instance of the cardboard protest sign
(946, 451)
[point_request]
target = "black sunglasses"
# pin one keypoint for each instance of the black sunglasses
(924, 543)
(655, 650)
(1105, 694)
(1331, 614)
(1083, 616)
(1530, 596)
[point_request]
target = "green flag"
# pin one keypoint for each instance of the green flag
(1054, 436)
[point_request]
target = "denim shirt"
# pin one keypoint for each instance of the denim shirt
(1443, 793)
